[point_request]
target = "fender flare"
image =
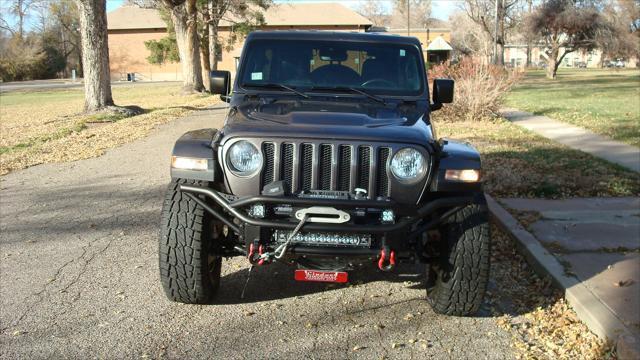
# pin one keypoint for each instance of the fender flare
(198, 144)
(456, 156)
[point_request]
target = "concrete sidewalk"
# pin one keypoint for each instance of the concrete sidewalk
(578, 138)
(590, 248)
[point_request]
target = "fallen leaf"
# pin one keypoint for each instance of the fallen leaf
(623, 283)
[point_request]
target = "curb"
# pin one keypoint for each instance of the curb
(596, 315)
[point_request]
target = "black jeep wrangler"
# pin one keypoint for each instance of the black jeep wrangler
(327, 161)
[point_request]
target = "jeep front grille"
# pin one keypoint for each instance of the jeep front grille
(323, 166)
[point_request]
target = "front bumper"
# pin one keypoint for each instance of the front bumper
(415, 219)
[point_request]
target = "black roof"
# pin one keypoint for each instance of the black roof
(332, 36)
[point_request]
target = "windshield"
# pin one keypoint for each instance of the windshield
(384, 69)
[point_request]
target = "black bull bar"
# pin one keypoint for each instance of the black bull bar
(453, 204)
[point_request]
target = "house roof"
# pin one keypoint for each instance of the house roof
(133, 17)
(292, 14)
(313, 14)
(439, 44)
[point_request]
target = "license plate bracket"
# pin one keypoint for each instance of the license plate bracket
(321, 276)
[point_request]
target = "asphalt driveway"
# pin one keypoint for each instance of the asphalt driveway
(79, 279)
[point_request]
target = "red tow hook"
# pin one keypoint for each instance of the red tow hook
(253, 258)
(383, 257)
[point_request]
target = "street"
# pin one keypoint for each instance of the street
(79, 279)
(61, 84)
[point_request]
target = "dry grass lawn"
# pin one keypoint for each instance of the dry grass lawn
(46, 126)
(519, 163)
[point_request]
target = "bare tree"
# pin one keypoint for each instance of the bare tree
(411, 14)
(95, 54)
(566, 26)
(374, 11)
(20, 11)
(483, 13)
(622, 40)
(468, 37)
(66, 24)
(244, 15)
(184, 18)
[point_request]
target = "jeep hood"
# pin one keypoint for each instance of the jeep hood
(331, 121)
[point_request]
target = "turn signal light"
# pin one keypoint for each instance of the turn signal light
(468, 175)
(185, 163)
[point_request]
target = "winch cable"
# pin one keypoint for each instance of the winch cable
(279, 252)
(281, 249)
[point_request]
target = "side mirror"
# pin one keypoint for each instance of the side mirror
(442, 92)
(220, 83)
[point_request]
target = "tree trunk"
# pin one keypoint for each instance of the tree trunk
(213, 36)
(500, 56)
(500, 35)
(184, 21)
(206, 70)
(95, 54)
(529, 38)
(552, 63)
(213, 47)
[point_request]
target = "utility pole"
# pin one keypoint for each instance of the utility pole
(495, 36)
(529, 42)
(408, 17)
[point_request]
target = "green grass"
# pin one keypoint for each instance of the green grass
(605, 101)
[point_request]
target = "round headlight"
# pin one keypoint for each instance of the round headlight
(408, 164)
(244, 158)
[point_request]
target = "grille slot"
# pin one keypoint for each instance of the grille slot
(307, 166)
(364, 159)
(268, 173)
(287, 165)
(325, 167)
(382, 178)
(344, 167)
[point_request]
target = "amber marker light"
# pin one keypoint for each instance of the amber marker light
(467, 175)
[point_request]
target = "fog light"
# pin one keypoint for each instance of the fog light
(185, 163)
(257, 211)
(468, 175)
(388, 217)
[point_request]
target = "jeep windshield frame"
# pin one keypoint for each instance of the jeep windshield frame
(349, 68)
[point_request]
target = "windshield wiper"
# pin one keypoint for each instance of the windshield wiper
(277, 86)
(351, 89)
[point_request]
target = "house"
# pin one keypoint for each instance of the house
(435, 42)
(129, 27)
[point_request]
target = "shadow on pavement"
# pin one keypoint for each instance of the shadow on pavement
(275, 281)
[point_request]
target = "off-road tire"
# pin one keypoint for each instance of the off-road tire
(462, 273)
(187, 272)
